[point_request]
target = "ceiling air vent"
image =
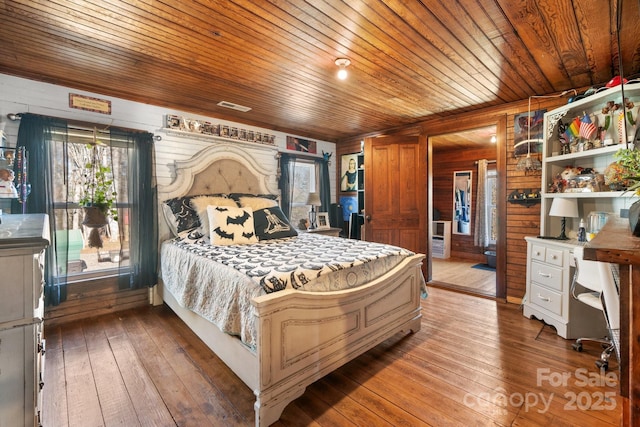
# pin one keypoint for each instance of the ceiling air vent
(234, 106)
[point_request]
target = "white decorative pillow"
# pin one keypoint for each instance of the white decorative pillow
(257, 203)
(200, 203)
(231, 225)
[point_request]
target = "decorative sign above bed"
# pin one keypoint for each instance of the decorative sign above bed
(201, 127)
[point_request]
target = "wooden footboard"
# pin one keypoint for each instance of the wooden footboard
(302, 336)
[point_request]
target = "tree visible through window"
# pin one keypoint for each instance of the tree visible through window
(74, 254)
(304, 175)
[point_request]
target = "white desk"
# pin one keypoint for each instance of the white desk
(550, 268)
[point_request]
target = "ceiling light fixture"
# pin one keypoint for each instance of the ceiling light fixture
(342, 63)
(493, 139)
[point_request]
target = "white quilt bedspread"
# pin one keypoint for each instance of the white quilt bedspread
(218, 282)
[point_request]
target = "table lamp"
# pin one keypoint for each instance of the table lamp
(313, 200)
(564, 207)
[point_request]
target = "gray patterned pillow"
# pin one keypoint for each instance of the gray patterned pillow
(180, 215)
(271, 223)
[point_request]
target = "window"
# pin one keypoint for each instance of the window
(129, 252)
(74, 257)
(305, 178)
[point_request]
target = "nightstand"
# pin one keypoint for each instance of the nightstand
(333, 231)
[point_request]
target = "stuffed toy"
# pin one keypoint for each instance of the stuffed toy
(570, 172)
(7, 188)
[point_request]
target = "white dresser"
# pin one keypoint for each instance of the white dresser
(550, 268)
(23, 239)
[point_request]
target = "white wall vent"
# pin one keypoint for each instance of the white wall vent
(233, 106)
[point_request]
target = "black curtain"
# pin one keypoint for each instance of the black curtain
(286, 183)
(325, 185)
(48, 155)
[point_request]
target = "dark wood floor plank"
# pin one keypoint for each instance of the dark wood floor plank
(235, 391)
(346, 406)
(147, 401)
(54, 403)
(82, 395)
(184, 410)
(470, 355)
(115, 400)
(391, 413)
(211, 401)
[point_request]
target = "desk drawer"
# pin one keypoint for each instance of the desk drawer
(554, 256)
(546, 299)
(546, 275)
(538, 252)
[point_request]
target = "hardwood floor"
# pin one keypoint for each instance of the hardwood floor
(459, 274)
(475, 362)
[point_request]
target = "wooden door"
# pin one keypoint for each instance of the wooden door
(395, 206)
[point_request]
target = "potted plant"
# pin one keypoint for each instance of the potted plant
(629, 159)
(97, 195)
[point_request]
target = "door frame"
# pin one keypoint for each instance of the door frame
(445, 126)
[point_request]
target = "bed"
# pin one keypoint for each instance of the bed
(300, 336)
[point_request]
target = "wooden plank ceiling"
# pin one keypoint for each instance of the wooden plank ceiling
(411, 60)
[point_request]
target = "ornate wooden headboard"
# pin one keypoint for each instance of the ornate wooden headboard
(222, 168)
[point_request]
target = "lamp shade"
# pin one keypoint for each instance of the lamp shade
(314, 199)
(564, 207)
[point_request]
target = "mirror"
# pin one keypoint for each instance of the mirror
(462, 202)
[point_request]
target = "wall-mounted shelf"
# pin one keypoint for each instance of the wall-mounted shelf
(526, 197)
(220, 139)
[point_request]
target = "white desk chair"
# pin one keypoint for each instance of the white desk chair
(601, 292)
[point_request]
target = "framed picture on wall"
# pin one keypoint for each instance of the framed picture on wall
(349, 173)
(527, 132)
(299, 144)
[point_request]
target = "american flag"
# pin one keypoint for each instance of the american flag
(587, 128)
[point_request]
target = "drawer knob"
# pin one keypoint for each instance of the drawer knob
(547, 299)
(538, 253)
(547, 275)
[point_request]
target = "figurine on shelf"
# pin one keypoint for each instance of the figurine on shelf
(613, 114)
(557, 185)
(565, 138)
(7, 187)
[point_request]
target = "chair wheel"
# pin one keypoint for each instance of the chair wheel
(577, 346)
(602, 364)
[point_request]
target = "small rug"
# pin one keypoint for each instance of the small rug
(483, 267)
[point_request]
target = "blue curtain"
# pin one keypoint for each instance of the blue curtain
(35, 135)
(142, 201)
(50, 161)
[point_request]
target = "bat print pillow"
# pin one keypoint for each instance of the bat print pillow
(231, 225)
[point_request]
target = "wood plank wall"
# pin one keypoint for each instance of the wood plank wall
(521, 221)
(446, 162)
